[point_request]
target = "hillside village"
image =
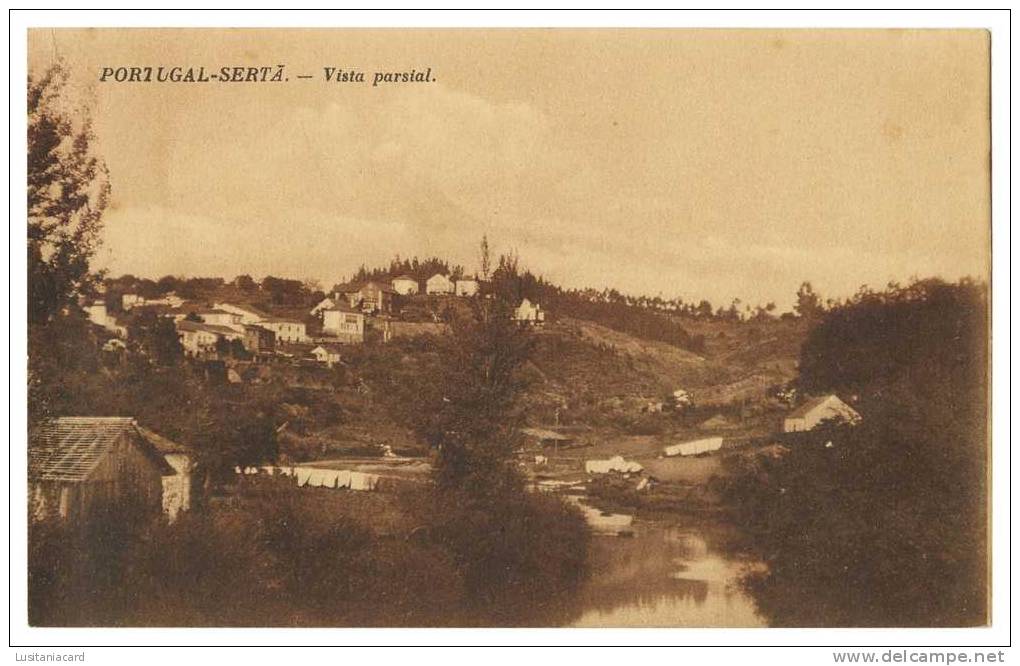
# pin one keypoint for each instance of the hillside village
(374, 311)
(600, 402)
(318, 406)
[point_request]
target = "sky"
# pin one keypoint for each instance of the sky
(713, 164)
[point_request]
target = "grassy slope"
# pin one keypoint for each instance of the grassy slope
(580, 362)
(592, 375)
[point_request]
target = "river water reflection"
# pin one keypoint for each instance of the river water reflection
(665, 577)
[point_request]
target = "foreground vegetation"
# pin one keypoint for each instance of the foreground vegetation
(883, 524)
(270, 554)
(471, 547)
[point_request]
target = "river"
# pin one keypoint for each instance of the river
(666, 576)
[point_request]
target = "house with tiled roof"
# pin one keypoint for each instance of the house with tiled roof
(816, 410)
(324, 304)
(249, 313)
(467, 286)
(344, 323)
(286, 329)
(198, 338)
(372, 296)
(405, 285)
(220, 317)
(529, 313)
(326, 353)
(258, 339)
(439, 284)
(83, 467)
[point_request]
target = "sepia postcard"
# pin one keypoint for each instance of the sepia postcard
(467, 327)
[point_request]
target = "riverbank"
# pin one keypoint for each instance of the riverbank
(267, 553)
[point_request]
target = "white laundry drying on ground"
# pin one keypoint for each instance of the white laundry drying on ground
(614, 464)
(316, 477)
(363, 481)
(303, 474)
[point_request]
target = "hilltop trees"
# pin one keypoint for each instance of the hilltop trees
(809, 304)
(419, 269)
(285, 292)
(245, 283)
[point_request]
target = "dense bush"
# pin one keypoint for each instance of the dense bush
(274, 555)
(887, 525)
(527, 546)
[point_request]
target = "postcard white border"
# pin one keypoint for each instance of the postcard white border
(997, 22)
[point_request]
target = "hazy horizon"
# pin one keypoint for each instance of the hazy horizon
(711, 164)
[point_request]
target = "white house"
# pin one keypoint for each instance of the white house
(405, 285)
(128, 301)
(219, 317)
(814, 411)
(530, 313)
(286, 330)
(324, 304)
(439, 284)
(467, 287)
(170, 300)
(345, 323)
(249, 314)
(327, 354)
(199, 338)
(372, 296)
(195, 337)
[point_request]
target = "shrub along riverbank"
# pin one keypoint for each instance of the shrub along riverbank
(269, 554)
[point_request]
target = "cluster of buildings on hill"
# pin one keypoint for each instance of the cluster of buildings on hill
(345, 317)
(380, 296)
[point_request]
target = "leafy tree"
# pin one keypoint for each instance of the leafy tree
(68, 190)
(201, 286)
(230, 348)
(475, 410)
(764, 312)
(284, 292)
(809, 304)
(60, 354)
(169, 283)
(156, 338)
(245, 283)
